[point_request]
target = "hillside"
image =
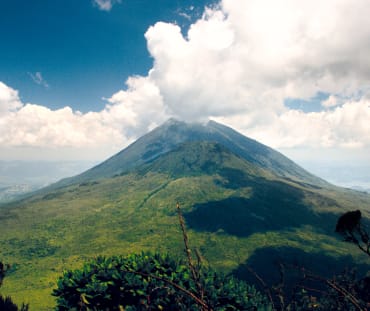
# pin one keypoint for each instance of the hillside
(241, 200)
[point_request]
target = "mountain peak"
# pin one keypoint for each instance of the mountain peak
(173, 133)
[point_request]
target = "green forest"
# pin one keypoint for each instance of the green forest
(157, 281)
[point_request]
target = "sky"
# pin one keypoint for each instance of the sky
(80, 80)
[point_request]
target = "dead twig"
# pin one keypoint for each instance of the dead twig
(195, 271)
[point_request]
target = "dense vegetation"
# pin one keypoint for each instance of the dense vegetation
(43, 236)
(154, 281)
(151, 282)
(157, 282)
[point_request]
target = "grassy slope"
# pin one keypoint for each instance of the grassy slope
(48, 233)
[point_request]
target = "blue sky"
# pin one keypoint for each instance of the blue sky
(83, 53)
(80, 80)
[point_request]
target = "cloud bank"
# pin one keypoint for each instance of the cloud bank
(238, 64)
(99, 134)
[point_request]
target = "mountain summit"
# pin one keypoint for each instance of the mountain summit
(173, 133)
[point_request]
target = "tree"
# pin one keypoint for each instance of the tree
(351, 227)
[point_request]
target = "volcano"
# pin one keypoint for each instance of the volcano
(242, 201)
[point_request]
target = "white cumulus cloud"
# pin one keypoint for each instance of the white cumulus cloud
(237, 64)
(250, 55)
(244, 58)
(9, 99)
(346, 126)
(127, 114)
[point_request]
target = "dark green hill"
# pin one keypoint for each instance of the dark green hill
(240, 199)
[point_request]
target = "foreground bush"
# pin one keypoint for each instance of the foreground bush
(151, 282)
(6, 303)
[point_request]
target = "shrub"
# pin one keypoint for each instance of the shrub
(151, 282)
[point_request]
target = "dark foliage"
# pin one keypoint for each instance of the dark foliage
(348, 222)
(3, 268)
(266, 261)
(345, 291)
(6, 303)
(351, 227)
(150, 282)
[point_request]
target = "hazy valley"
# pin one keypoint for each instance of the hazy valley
(20, 177)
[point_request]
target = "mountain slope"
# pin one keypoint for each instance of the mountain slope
(234, 204)
(173, 133)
